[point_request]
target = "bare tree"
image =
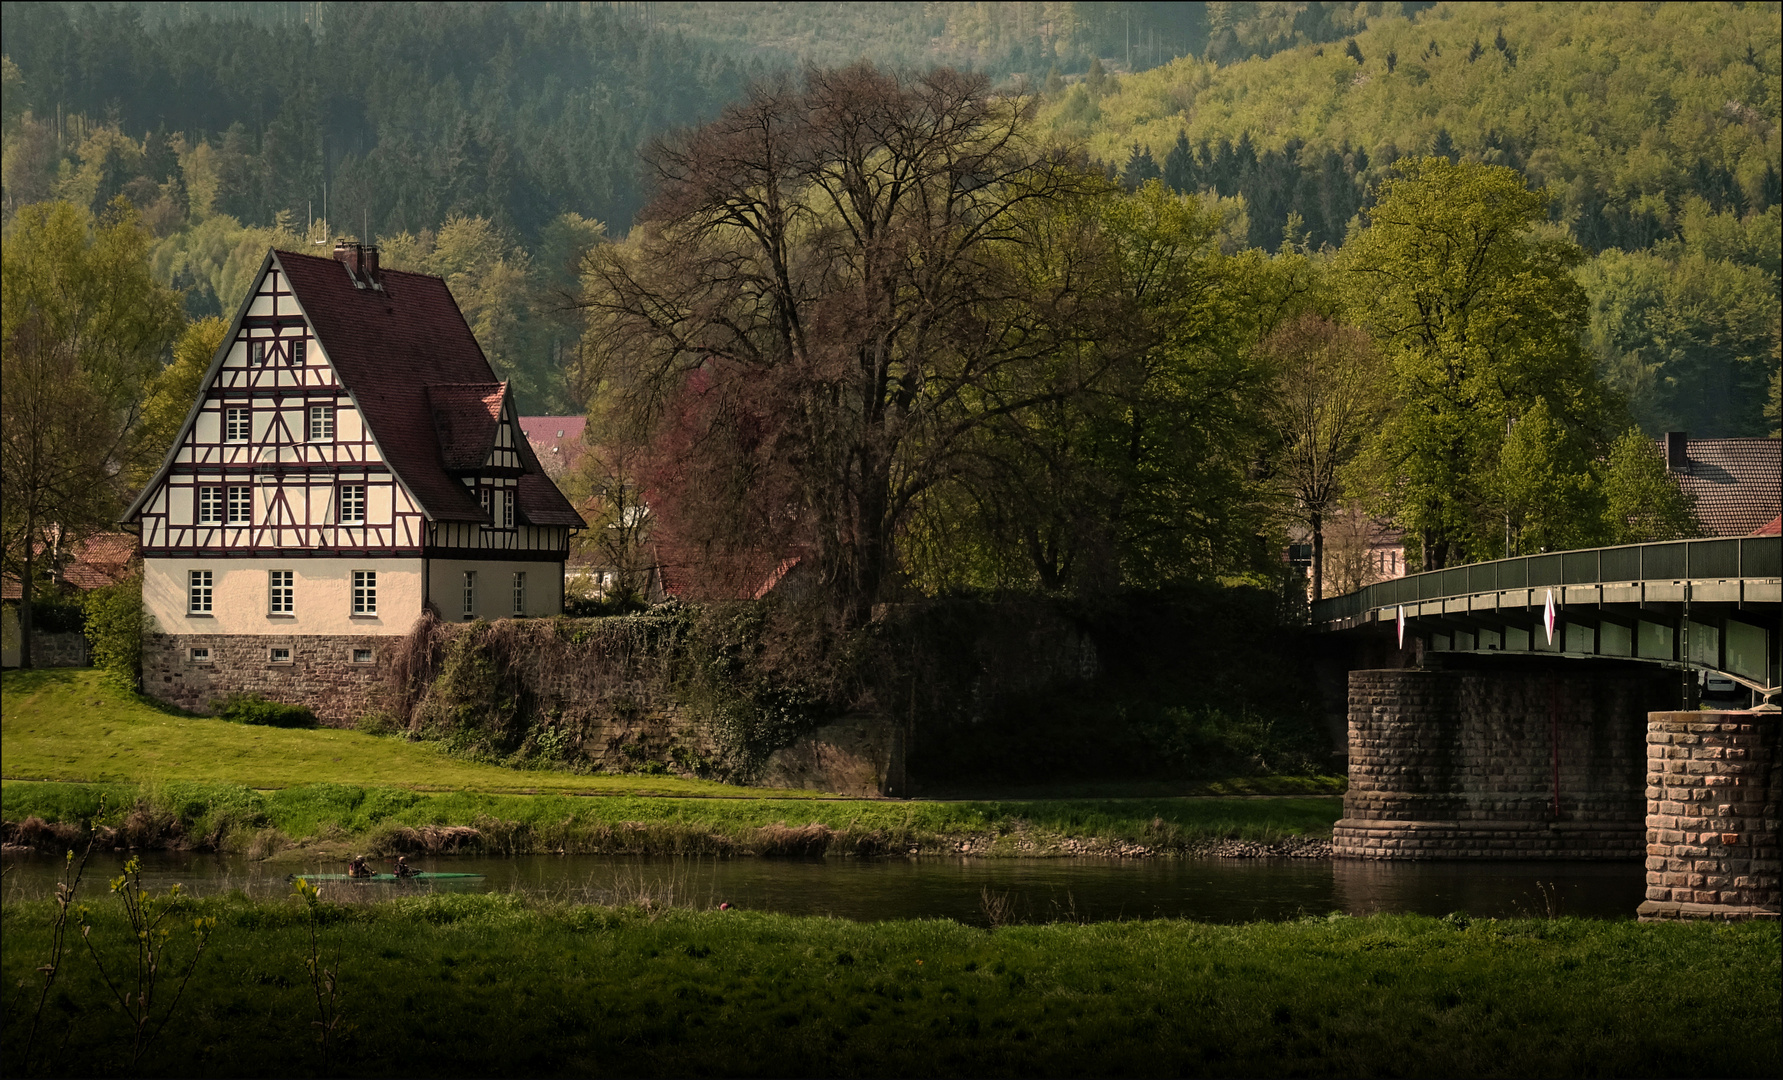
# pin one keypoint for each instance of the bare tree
(837, 285)
(1326, 400)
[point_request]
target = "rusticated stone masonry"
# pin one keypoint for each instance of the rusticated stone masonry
(341, 678)
(1504, 761)
(1713, 781)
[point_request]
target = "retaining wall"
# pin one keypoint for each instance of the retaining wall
(1713, 781)
(1501, 761)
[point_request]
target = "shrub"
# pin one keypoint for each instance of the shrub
(114, 624)
(254, 709)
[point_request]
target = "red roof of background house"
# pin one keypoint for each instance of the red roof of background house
(557, 440)
(1737, 483)
(94, 562)
(1773, 527)
(389, 345)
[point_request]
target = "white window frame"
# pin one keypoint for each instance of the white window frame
(257, 351)
(321, 423)
(200, 585)
(486, 499)
(365, 592)
(278, 654)
(238, 425)
(362, 656)
(238, 500)
(352, 504)
(469, 609)
(199, 654)
(210, 505)
(519, 592)
(507, 508)
(298, 352)
(281, 592)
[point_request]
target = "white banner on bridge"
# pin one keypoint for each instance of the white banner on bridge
(1402, 626)
(1548, 616)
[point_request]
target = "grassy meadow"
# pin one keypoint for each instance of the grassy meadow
(631, 991)
(168, 779)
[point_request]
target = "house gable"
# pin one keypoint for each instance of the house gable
(269, 445)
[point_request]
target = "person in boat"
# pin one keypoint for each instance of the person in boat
(403, 869)
(358, 867)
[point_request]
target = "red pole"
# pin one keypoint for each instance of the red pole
(1554, 737)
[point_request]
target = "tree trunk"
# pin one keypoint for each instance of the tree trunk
(1318, 556)
(25, 590)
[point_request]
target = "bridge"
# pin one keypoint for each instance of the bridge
(1546, 706)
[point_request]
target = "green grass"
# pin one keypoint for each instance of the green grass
(208, 783)
(232, 817)
(70, 724)
(494, 985)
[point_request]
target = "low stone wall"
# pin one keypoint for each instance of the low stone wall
(321, 673)
(1713, 781)
(1505, 761)
(860, 754)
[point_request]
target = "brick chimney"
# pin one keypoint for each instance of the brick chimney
(351, 256)
(361, 262)
(1677, 451)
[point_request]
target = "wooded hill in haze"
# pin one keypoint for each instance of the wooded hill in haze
(490, 142)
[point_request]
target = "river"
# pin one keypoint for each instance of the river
(963, 889)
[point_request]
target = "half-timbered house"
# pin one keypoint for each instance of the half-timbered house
(351, 462)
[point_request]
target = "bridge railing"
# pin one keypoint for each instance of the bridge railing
(1676, 560)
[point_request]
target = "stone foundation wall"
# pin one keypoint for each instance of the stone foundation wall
(1713, 781)
(1462, 763)
(321, 674)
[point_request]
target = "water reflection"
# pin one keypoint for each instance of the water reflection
(1033, 890)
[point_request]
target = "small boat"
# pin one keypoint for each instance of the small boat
(419, 875)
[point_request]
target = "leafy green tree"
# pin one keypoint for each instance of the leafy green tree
(169, 396)
(1469, 296)
(1546, 487)
(1644, 502)
(84, 328)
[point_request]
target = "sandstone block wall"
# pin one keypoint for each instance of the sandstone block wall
(1462, 763)
(321, 673)
(1713, 781)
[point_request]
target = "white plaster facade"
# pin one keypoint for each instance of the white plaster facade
(241, 598)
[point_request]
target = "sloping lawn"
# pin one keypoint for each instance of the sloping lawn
(69, 724)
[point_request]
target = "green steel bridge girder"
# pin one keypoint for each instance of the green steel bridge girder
(1707, 604)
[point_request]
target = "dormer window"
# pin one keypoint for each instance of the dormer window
(486, 497)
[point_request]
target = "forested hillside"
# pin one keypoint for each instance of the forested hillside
(233, 126)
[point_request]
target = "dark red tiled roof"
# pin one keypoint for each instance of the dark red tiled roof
(389, 346)
(465, 416)
(1737, 483)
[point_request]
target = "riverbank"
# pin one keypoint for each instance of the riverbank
(299, 824)
(644, 991)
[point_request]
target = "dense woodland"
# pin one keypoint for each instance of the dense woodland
(1209, 250)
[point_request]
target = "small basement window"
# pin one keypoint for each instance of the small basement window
(279, 656)
(362, 656)
(200, 654)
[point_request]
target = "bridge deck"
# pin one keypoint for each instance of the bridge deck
(1702, 603)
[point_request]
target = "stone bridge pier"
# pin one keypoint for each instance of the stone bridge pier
(1568, 760)
(1500, 758)
(1713, 780)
